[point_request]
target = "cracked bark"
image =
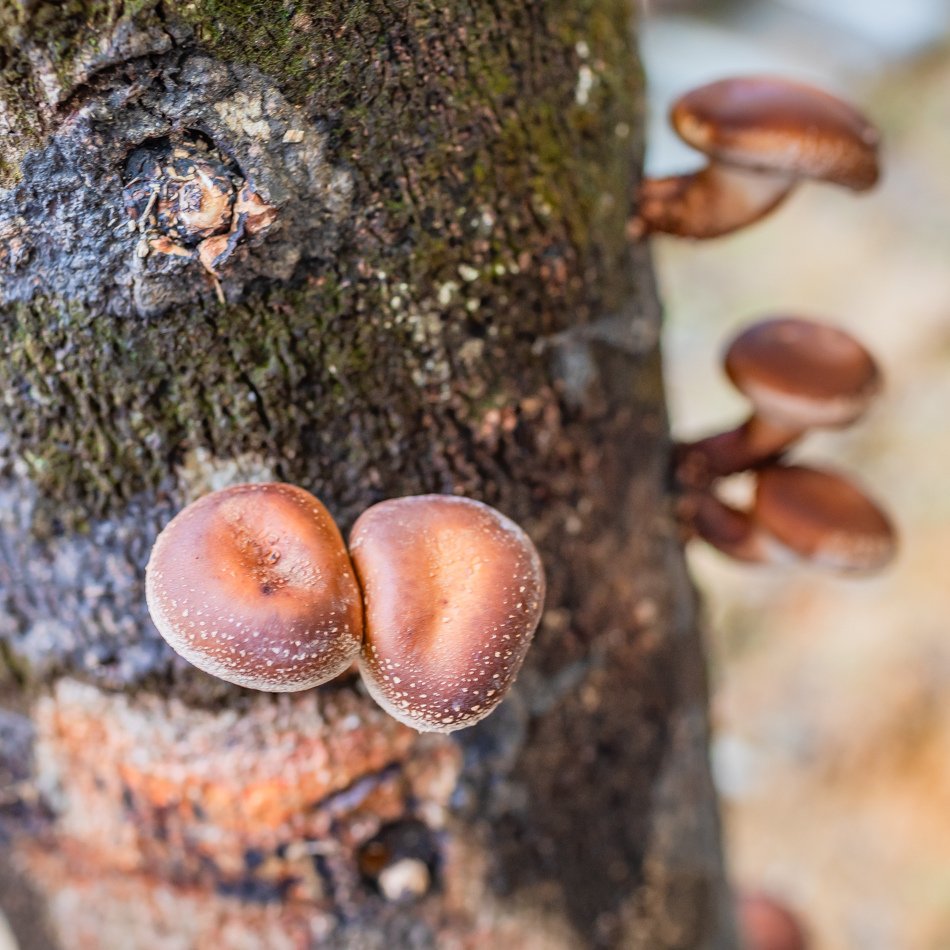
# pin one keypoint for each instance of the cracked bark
(444, 302)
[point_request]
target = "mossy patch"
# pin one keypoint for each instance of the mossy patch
(303, 44)
(42, 47)
(488, 146)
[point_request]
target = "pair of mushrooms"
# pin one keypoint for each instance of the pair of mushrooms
(438, 598)
(798, 375)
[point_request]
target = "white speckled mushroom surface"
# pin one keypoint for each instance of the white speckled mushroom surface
(453, 591)
(253, 584)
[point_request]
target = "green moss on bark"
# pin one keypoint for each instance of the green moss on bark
(491, 146)
(44, 49)
(303, 44)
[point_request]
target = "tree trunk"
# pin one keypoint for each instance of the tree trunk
(433, 293)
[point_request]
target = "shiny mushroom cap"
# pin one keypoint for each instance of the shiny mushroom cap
(253, 584)
(453, 591)
(823, 518)
(776, 125)
(799, 373)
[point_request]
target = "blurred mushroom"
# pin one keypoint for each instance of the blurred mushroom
(762, 135)
(729, 530)
(798, 374)
(253, 584)
(798, 512)
(767, 924)
(824, 518)
(453, 592)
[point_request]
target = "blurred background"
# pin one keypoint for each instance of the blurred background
(831, 697)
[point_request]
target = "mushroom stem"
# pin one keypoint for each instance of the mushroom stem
(754, 443)
(713, 201)
(730, 530)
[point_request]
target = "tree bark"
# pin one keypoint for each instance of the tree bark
(443, 301)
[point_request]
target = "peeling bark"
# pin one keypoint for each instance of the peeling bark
(442, 300)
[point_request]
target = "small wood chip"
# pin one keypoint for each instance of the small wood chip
(407, 879)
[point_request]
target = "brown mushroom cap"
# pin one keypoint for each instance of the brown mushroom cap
(800, 374)
(767, 924)
(777, 125)
(253, 584)
(453, 591)
(824, 518)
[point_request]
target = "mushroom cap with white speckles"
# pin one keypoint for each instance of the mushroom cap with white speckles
(453, 591)
(253, 584)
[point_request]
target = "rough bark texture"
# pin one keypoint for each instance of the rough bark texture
(445, 302)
